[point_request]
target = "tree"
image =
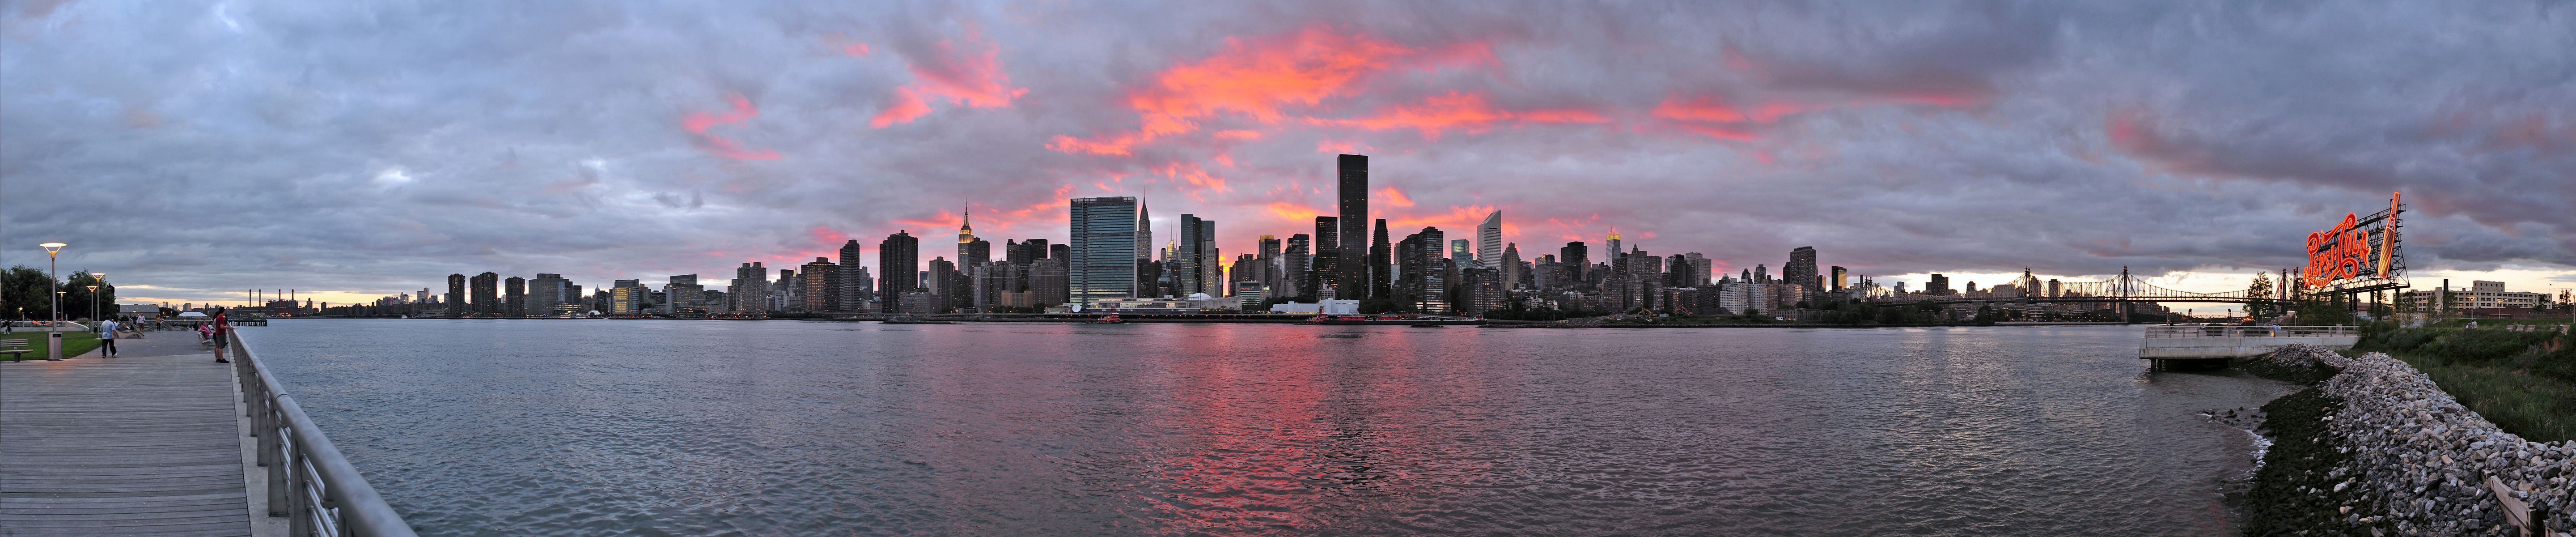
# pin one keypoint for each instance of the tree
(2260, 289)
(23, 288)
(78, 299)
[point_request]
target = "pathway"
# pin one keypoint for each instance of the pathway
(146, 443)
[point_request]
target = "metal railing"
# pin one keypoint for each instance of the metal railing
(308, 480)
(2196, 330)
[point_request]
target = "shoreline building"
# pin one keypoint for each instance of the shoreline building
(514, 297)
(683, 296)
(486, 288)
(1801, 270)
(1351, 273)
(1105, 252)
(749, 292)
(1325, 278)
(898, 255)
(1489, 242)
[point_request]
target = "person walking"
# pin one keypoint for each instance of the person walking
(107, 338)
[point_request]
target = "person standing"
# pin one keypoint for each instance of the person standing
(220, 329)
(107, 338)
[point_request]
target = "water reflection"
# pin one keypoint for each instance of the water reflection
(694, 428)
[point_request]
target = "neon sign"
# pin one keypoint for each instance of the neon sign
(2344, 252)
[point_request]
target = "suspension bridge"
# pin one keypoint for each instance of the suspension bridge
(2123, 288)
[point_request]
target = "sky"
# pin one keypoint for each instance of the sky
(355, 149)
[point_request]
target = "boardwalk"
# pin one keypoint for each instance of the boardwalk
(132, 445)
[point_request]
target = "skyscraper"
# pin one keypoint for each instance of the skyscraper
(1266, 257)
(1839, 278)
(1575, 260)
(1489, 242)
(1511, 262)
(1294, 266)
(1424, 284)
(547, 294)
(486, 288)
(1801, 270)
(749, 291)
(683, 296)
(821, 285)
(514, 297)
(965, 230)
(1463, 252)
(1354, 227)
(1610, 249)
(1327, 271)
(1190, 259)
(456, 295)
(1144, 232)
(854, 286)
(898, 256)
(1381, 261)
(1105, 250)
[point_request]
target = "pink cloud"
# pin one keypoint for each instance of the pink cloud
(698, 123)
(966, 71)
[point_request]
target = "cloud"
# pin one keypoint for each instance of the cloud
(965, 71)
(697, 124)
(1460, 111)
(1906, 138)
(1258, 78)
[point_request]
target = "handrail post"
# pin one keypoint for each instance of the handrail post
(302, 523)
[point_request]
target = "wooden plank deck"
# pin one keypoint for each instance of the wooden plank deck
(132, 445)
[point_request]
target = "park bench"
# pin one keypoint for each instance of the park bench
(16, 348)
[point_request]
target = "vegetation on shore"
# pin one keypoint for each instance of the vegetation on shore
(74, 343)
(2525, 382)
(2294, 492)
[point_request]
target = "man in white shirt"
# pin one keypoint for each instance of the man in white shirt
(107, 338)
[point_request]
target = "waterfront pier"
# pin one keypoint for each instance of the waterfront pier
(161, 440)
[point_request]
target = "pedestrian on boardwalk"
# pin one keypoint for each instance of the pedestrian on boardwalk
(107, 338)
(220, 329)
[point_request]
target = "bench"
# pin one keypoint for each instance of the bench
(16, 348)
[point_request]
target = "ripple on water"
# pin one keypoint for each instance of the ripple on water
(787, 428)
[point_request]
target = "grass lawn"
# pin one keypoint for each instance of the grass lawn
(2539, 408)
(74, 343)
(2525, 382)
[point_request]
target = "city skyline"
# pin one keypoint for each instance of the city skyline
(1974, 143)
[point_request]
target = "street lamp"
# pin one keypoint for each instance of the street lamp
(96, 280)
(93, 309)
(51, 275)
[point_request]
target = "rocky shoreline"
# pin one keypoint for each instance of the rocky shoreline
(2373, 447)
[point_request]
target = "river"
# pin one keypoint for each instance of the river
(600, 427)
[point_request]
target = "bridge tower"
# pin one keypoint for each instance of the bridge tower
(2125, 292)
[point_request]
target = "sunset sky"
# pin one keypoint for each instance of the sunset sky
(360, 149)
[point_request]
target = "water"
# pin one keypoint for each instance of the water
(595, 427)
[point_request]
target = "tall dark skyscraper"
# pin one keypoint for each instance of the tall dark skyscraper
(1101, 263)
(898, 257)
(1190, 262)
(486, 288)
(853, 289)
(1327, 270)
(1379, 256)
(1296, 265)
(1351, 274)
(1838, 279)
(1575, 259)
(1801, 270)
(455, 295)
(514, 297)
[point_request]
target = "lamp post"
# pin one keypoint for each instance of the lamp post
(96, 280)
(51, 249)
(93, 309)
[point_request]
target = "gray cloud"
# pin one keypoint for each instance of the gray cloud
(373, 148)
